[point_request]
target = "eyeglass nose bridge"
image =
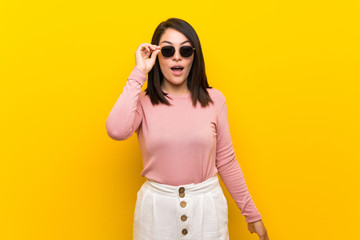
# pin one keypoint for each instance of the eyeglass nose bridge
(177, 54)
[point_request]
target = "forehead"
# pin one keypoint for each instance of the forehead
(174, 37)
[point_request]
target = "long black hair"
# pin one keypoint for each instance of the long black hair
(197, 80)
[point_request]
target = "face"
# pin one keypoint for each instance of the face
(172, 37)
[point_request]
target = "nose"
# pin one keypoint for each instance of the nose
(177, 55)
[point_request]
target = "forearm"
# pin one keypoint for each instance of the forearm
(124, 117)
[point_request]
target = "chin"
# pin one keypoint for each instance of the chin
(175, 80)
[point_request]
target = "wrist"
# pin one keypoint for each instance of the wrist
(255, 221)
(138, 75)
(142, 70)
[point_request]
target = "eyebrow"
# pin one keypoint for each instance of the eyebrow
(171, 42)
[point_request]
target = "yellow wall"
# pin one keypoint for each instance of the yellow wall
(290, 74)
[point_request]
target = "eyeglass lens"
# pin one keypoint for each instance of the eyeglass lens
(185, 51)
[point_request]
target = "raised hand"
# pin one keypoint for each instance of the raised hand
(143, 61)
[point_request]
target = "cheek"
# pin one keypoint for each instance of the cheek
(163, 65)
(190, 63)
(163, 62)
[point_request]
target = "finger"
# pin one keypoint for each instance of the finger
(156, 47)
(152, 49)
(147, 47)
(141, 46)
(141, 50)
(146, 50)
(154, 55)
(263, 236)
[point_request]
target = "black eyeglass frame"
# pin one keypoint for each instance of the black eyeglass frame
(179, 50)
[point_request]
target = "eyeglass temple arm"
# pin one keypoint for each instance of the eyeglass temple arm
(166, 46)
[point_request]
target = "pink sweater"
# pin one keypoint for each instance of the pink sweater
(181, 144)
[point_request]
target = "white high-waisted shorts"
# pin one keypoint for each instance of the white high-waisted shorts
(192, 211)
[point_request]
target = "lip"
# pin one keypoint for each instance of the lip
(177, 73)
(178, 65)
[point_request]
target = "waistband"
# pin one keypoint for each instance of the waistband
(208, 185)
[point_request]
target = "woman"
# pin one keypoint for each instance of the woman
(183, 132)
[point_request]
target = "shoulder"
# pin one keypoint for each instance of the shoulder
(143, 98)
(218, 98)
(216, 95)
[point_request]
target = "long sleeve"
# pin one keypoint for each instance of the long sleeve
(230, 170)
(126, 115)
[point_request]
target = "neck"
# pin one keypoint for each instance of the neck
(173, 89)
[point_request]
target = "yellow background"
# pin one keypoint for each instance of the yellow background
(289, 71)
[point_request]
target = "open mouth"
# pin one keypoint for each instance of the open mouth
(177, 70)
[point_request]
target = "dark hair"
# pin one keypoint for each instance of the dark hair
(197, 80)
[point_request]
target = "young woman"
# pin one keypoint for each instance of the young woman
(184, 137)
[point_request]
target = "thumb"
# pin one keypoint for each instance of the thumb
(250, 229)
(154, 55)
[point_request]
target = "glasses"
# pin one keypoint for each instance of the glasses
(185, 51)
